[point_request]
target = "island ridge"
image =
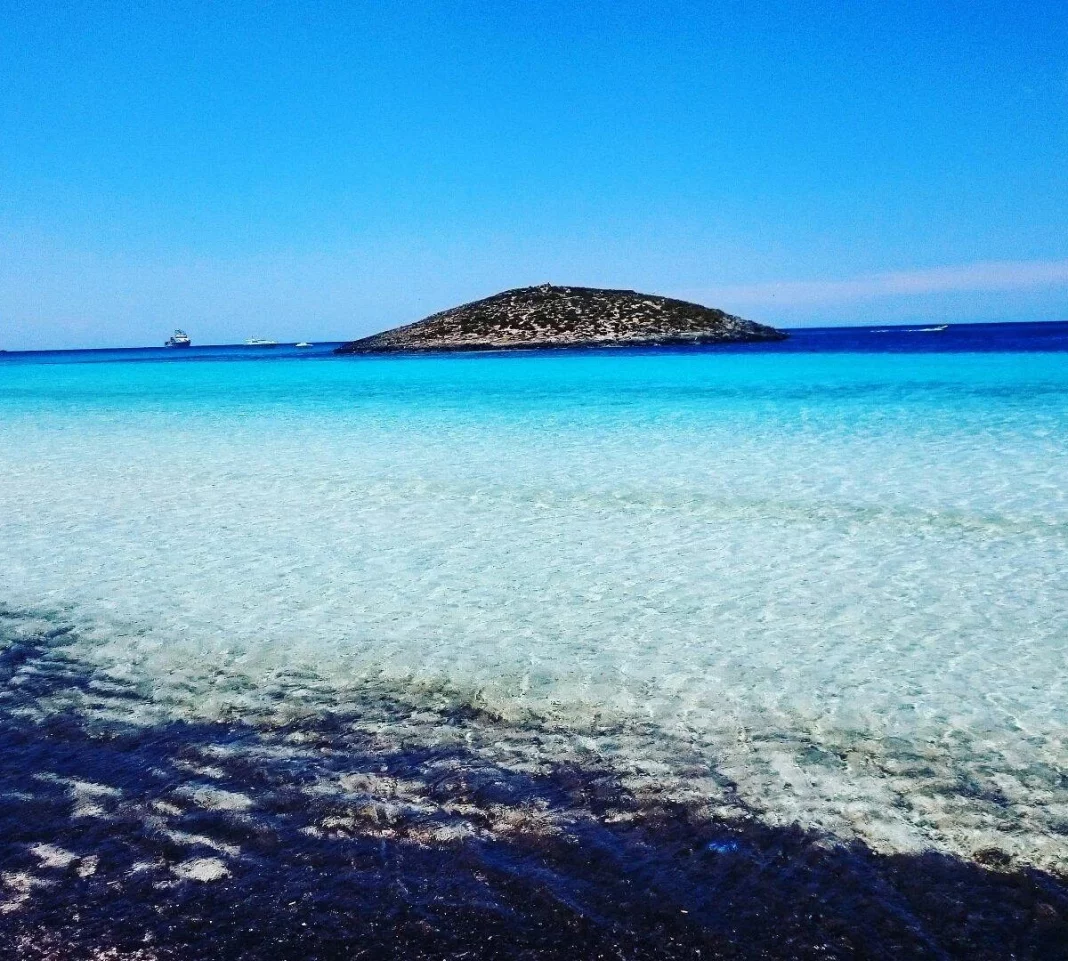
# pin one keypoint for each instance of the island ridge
(549, 316)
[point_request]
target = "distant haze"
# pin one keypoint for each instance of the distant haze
(325, 171)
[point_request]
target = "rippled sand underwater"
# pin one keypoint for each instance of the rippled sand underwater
(831, 583)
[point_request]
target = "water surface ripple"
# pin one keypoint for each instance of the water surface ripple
(834, 578)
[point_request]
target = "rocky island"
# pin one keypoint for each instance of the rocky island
(550, 316)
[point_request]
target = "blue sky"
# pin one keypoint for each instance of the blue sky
(324, 170)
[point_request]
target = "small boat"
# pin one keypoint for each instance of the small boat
(178, 339)
(303, 343)
(260, 342)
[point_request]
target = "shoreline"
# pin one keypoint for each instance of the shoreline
(352, 349)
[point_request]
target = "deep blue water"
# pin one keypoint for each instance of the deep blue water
(917, 338)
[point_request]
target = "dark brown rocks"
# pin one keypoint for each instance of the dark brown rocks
(548, 316)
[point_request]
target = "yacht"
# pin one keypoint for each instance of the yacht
(260, 342)
(303, 343)
(178, 339)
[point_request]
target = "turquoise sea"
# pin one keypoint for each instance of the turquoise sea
(823, 581)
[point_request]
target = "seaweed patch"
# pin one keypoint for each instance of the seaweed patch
(381, 829)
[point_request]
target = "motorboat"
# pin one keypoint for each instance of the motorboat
(178, 339)
(303, 343)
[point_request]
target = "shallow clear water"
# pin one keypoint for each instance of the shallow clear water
(837, 573)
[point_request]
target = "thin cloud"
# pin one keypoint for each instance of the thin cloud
(966, 278)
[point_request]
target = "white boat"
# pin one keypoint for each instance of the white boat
(260, 342)
(178, 339)
(303, 343)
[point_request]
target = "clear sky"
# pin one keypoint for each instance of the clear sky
(323, 170)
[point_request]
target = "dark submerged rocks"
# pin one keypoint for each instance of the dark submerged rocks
(548, 316)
